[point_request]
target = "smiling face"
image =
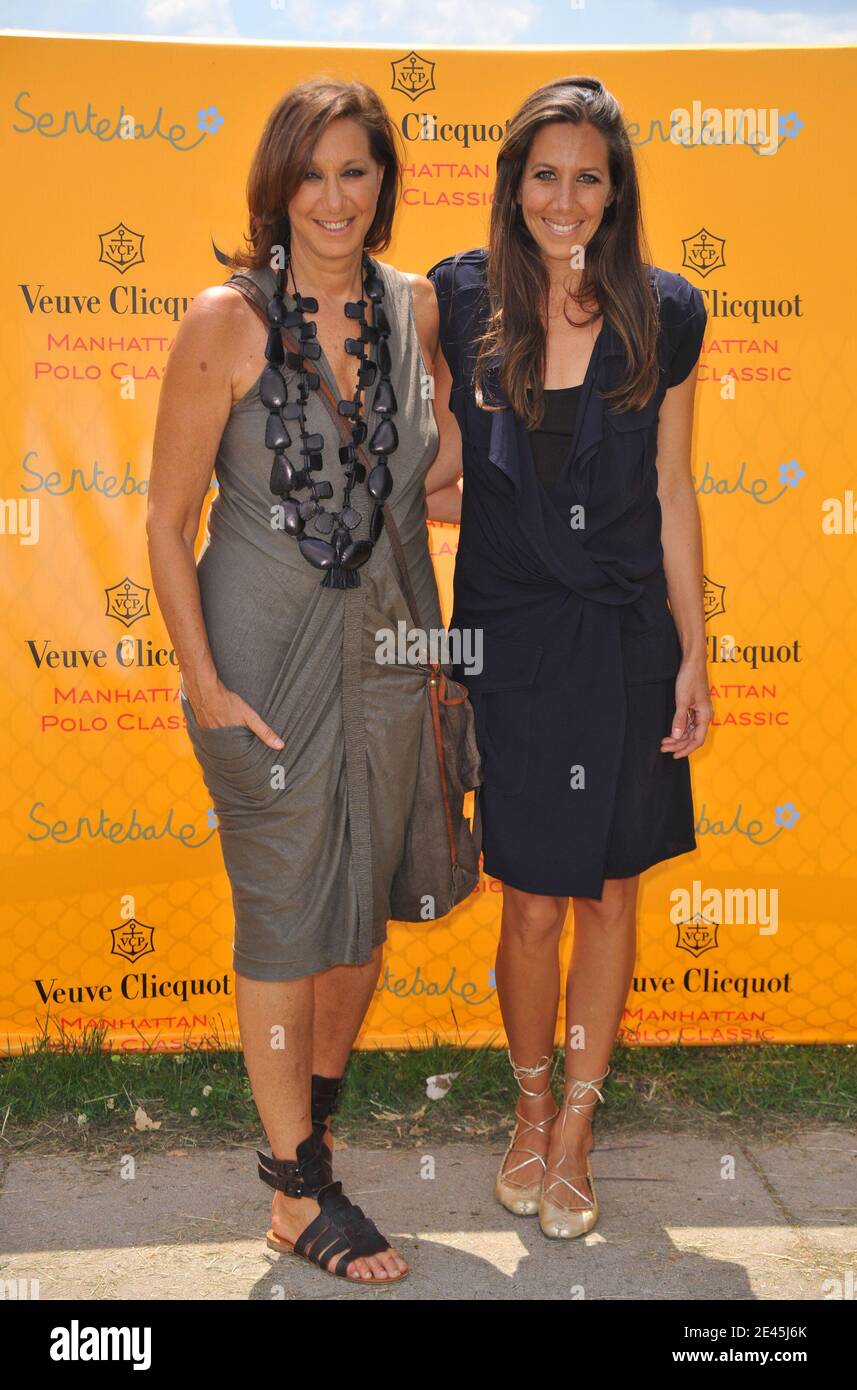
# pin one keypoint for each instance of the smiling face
(334, 207)
(564, 188)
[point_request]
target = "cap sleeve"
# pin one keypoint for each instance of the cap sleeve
(685, 337)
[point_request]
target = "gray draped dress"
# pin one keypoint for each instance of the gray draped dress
(312, 833)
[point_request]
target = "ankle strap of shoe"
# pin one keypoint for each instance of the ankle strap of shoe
(540, 1066)
(325, 1096)
(283, 1174)
(303, 1176)
(578, 1088)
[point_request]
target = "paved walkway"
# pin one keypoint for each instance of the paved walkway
(785, 1227)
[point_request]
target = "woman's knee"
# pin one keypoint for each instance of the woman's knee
(618, 899)
(533, 915)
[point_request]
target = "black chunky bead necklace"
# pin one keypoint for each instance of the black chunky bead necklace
(340, 556)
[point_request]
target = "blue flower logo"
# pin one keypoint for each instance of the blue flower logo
(790, 125)
(791, 473)
(209, 120)
(786, 815)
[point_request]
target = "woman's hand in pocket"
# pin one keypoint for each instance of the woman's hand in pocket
(220, 708)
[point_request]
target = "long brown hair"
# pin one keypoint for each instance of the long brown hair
(284, 154)
(614, 274)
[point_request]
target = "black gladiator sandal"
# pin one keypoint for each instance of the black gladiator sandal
(341, 1228)
(325, 1095)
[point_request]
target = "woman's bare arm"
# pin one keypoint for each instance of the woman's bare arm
(442, 482)
(681, 536)
(193, 408)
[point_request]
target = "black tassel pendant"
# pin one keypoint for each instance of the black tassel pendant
(338, 578)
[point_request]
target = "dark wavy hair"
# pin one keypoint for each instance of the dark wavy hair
(614, 274)
(284, 153)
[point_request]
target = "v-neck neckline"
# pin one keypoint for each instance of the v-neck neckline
(585, 391)
(322, 360)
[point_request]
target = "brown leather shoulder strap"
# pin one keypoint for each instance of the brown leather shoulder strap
(248, 288)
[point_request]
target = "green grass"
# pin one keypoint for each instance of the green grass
(203, 1097)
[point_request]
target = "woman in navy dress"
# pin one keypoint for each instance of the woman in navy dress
(564, 384)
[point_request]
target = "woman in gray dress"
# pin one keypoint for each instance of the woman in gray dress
(308, 745)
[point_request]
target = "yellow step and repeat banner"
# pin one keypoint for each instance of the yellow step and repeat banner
(116, 906)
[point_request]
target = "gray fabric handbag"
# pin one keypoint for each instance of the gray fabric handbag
(441, 861)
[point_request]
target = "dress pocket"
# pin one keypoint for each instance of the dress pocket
(508, 724)
(630, 448)
(201, 732)
(233, 759)
(652, 655)
(508, 663)
(503, 701)
(627, 421)
(632, 430)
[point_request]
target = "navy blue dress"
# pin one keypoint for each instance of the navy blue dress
(567, 584)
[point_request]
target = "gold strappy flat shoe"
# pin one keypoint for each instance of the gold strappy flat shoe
(523, 1200)
(560, 1221)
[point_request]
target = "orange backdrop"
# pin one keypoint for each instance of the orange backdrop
(125, 163)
